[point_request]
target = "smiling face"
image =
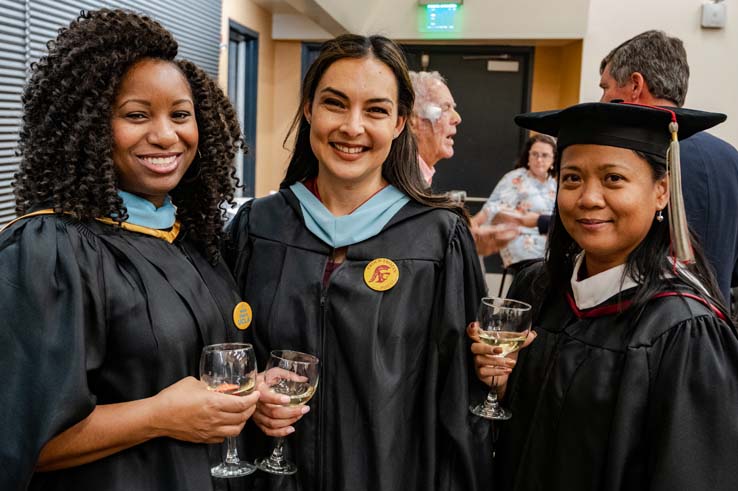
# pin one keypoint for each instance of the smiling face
(607, 201)
(540, 160)
(435, 138)
(154, 129)
(353, 120)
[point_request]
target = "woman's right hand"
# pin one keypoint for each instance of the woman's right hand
(272, 415)
(492, 369)
(187, 410)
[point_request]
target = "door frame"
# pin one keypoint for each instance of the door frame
(243, 71)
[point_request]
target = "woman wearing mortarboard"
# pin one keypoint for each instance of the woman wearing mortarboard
(632, 381)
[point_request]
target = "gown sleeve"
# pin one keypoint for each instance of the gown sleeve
(52, 333)
(463, 440)
(693, 415)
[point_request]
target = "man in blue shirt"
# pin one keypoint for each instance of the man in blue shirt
(651, 68)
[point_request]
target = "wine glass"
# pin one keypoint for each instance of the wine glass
(229, 368)
(504, 324)
(293, 374)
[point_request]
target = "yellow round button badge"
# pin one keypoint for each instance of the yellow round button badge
(242, 315)
(381, 274)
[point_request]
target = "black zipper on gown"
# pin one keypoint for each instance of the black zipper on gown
(319, 439)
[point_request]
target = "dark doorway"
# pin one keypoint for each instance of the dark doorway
(310, 52)
(489, 92)
(243, 65)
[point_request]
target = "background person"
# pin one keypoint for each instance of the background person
(651, 68)
(434, 120)
(529, 189)
(631, 382)
(107, 292)
(354, 262)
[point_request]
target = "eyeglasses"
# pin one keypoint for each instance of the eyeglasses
(542, 156)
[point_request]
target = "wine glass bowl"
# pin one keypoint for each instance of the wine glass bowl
(504, 324)
(295, 375)
(229, 368)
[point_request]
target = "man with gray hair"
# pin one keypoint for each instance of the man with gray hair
(651, 68)
(434, 120)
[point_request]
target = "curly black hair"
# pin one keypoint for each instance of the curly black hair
(66, 142)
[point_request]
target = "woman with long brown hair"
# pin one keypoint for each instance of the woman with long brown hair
(354, 262)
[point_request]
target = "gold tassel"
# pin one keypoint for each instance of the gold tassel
(678, 229)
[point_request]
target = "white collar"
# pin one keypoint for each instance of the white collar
(594, 290)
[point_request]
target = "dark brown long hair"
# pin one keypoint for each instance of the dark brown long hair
(401, 167)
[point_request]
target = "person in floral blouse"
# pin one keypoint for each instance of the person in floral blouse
(527, 192)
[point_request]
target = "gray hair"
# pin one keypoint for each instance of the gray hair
(424, 103)
(661, 60)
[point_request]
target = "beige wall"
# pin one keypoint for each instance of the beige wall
(711, 53)
(556, 74)
(287, 76)
(257, 19)
(480, 19)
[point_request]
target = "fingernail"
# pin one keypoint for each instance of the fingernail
(290, 430)
(285, 399)
(305, 409)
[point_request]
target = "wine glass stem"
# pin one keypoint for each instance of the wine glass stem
(492, 396)
(232, 453)
(278, 452)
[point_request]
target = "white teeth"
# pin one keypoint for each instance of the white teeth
(348, 149)
(160, 160)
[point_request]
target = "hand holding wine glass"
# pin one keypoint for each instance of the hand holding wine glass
(229, 368)
(188, 411)
(503, 324)
(490, 367)
(294, 377)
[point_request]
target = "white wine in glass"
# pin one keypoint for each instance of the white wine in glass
(507, 341)
(503, 323)
(293, 374)
(229, 368)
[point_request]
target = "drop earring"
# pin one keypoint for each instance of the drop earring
(659, 216)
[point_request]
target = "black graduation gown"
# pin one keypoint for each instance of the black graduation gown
(606, 404)
(92, 314)
(391, 410)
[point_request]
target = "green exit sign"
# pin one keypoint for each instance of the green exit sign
(441, 17)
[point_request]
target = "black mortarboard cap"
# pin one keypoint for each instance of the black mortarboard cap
(634, 126)
(653, 130)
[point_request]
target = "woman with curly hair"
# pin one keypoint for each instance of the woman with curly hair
(111, 281)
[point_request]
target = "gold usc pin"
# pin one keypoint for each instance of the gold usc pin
(381, 274)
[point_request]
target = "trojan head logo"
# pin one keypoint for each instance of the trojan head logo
(381, 274)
